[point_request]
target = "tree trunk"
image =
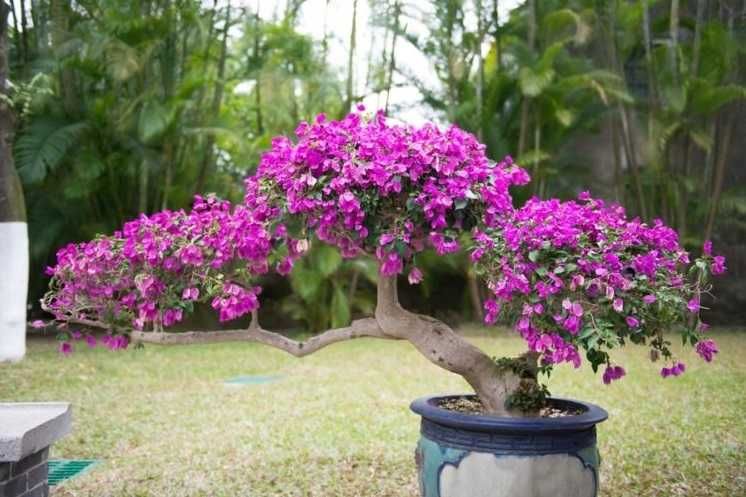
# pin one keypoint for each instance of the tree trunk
(351, 61)
(17, 29)
(626, 132)
(258, 80)
(689, 143)
(208, 157)
(480, 71)
(24, 32)
(168, 164)
(721, 164)
(498, 47)
(652, 88)
(615, 143)
(446, 349)
(526, 102)
(475, 298)
(143, 186)
(67, 77)
(392, 56)
(14, 255)
(673, 53)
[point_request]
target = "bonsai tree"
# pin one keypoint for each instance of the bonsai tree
(374, 189)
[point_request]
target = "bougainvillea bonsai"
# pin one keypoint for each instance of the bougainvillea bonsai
(577, 275)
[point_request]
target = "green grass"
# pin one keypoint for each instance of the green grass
(338, 423)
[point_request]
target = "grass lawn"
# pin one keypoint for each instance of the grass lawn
(337, 423)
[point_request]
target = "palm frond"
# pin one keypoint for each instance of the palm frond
(43, 145)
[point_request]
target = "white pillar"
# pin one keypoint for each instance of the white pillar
(14, 268)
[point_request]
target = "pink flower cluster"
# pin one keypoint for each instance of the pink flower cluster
(150, 272)
(579, 274)
(582, 275)
(365, 185)
(111, 342)
(361, 184)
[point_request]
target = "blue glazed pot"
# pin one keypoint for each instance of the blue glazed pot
(466, 455)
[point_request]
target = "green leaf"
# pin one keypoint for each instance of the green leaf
(533, 83)
(565, 116)
(305, 282)
(340, 311)
(43, 145)
(565, 25)
(327, 260)
(533, 256)
(153, 122)
(400, 247)
(533, 157)
(708, 99)
(122, 61)
(588, 331)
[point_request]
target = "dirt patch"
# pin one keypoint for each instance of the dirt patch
(472, 405)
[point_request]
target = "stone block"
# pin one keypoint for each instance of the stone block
(30, 461)
(28, 428)
(38, 491)
(38, 475)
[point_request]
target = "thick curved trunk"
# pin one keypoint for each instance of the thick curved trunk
(445, 348)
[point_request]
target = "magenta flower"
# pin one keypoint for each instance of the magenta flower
(632, 321)
(693, 304)
(172, 316)
(191, 255)
(90, 340)
(572, 324)
(285, 266)
(618, 305)
(707, 349)
(612, 373)
(38, 323)
(577, 309)
(65, 348)
(392, 264)
(649, 299)
(718, 265)
(491, 311)
(676, 370)
(707, 247)
(415, 276)
(190, 293)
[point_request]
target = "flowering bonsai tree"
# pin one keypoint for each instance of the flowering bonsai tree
(370, 188)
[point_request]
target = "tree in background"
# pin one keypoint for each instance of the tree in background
(13, 229)
(129, 106)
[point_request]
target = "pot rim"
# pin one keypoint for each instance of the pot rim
(591, 415)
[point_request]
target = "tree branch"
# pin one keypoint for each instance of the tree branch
(359, 328)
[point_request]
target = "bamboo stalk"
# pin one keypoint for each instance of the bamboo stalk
(350, 59)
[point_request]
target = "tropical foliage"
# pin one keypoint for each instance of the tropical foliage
(134, 106)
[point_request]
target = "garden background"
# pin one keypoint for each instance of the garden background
(130, 106)
(134, 106)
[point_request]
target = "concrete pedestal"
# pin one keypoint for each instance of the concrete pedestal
(27, 430)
